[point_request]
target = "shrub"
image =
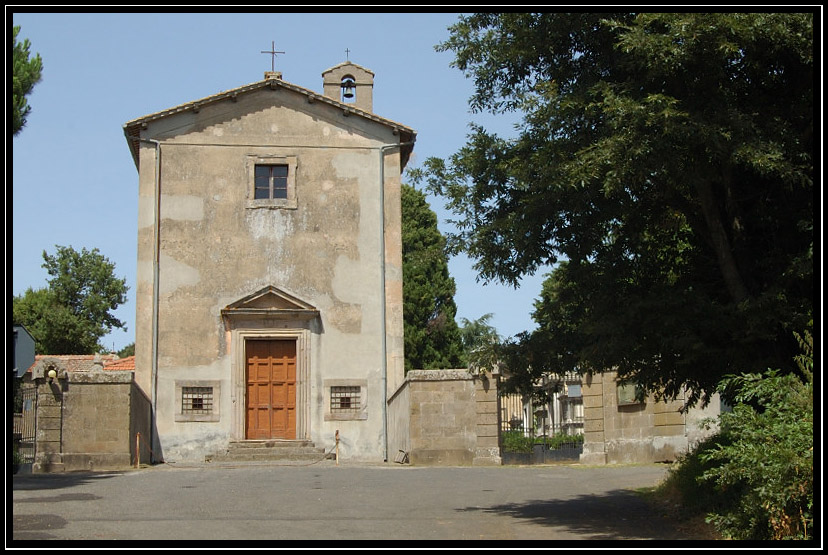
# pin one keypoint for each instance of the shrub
(682, 483)
(558, 440)
(761, 464)
(515, 442)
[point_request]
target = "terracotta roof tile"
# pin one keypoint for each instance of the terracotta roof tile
(126, 363)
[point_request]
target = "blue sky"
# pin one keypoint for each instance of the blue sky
(75, 184)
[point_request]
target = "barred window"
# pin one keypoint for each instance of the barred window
(345, 398)
(196, 400)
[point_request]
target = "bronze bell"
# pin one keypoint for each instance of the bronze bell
(348, 87)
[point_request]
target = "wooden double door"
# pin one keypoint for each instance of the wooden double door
(271, 389)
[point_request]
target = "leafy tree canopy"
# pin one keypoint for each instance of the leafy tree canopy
(127, 351)
(26, 74)
(74, 312)
(432, 338)
(666, 159)
(480, 342)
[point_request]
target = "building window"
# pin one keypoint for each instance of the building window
(346, 400)
(271, 182)
(197, 400)
(573, 390)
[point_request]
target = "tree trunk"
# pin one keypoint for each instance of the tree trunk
(721, 244)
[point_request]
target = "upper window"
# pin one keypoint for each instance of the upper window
(272, 182)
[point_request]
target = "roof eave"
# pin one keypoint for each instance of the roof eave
(132, 129)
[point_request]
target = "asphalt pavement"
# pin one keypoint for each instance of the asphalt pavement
(275, 505)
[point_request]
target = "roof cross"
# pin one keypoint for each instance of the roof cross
(347, 52)
(272, 53)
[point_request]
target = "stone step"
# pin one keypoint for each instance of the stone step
(270, 443)
(271, 450)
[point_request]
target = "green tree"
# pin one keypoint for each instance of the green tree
(74, 312)
(127, 351)
(26, 74)
(667, 159)
(480, 342)
(432, 337)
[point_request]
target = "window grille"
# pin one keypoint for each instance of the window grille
(345, 398)
(196, 400)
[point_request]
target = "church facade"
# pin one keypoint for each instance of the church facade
(269, 287)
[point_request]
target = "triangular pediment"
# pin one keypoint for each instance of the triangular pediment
(134, 129)
(271, 302)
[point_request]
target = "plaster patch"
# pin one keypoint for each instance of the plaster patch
(346, 318)
(349, 280)
(275, 225)
(175, 274)
(356, 165)
(182, 207)
(145, 211)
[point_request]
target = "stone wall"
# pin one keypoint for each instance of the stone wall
(399, 423)
(452, 418)
(620, 429)
(90, 421)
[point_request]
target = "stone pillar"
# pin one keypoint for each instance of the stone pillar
(487, 450)
(49, 439)
(594, 441)
(669, 430)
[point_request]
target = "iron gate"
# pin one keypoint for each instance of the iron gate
(25, 426)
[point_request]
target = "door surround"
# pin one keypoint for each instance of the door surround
(273, 314)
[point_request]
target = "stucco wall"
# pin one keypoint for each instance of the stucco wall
(216, 249)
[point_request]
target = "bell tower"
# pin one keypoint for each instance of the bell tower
(350, 84)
